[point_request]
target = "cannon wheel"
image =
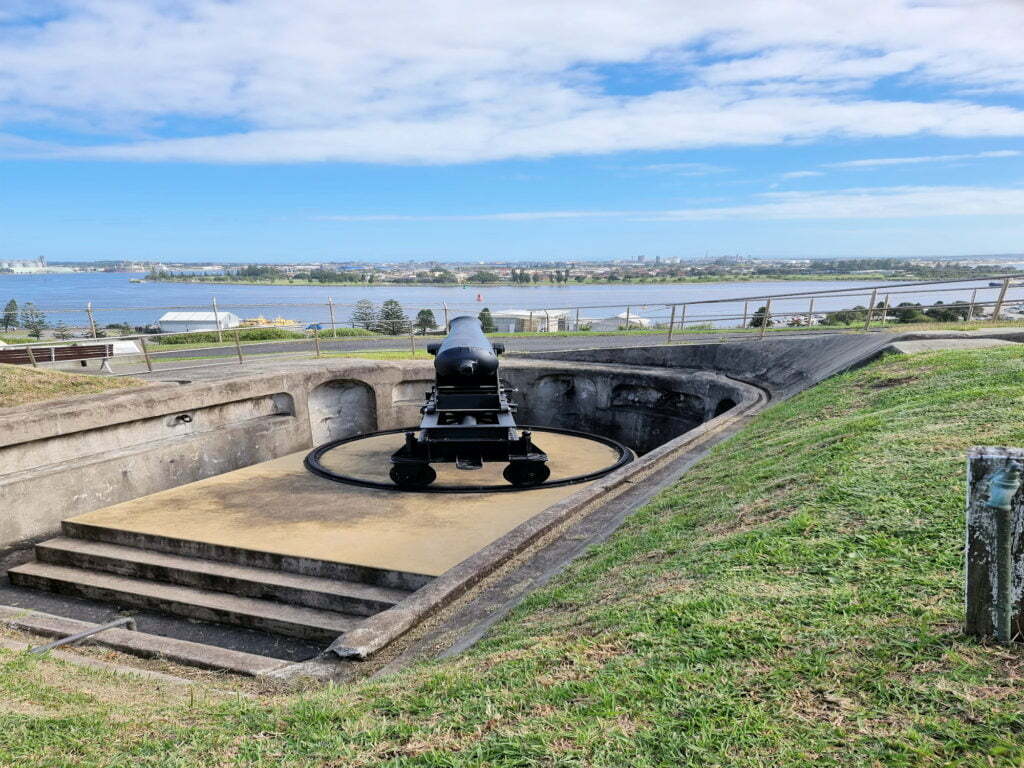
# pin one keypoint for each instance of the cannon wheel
(413, 475)
(525, 474)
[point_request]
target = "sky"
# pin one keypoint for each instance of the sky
(327, 130)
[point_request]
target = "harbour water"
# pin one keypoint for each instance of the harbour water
(115, 299)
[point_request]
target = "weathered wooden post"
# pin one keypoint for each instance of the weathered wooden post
(216, 322)
(995, 542)
(334, 327)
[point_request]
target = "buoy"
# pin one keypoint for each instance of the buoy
(479, 297)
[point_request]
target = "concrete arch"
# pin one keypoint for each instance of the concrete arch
(340, 408)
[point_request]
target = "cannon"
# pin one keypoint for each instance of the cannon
(467, 418)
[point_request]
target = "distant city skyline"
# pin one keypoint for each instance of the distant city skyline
(255, 131)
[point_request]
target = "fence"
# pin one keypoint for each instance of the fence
(324, 325)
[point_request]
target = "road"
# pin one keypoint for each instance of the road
(217, 361)
(512, 344)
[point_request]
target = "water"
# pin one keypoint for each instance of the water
(63, 297)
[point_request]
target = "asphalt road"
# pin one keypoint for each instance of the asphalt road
(512, 344)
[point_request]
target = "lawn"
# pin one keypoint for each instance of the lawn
(794, 600)
(20, 385)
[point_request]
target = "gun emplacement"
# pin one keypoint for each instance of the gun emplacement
(467, 418)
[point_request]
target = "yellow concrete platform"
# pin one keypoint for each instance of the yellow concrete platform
(280, 507)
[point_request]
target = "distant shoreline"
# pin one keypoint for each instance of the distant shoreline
(538, 284)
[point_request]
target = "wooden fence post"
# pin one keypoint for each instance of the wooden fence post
(995, 542)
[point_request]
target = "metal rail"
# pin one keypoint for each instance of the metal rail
(126, 621)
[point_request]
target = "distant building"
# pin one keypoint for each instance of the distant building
(23, 265)
(180, 322)
(619, 322)
(523, 320)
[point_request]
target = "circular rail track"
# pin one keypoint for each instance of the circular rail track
(314, 462)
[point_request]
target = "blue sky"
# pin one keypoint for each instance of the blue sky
(201, 130)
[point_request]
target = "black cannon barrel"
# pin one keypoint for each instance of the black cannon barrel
(466, 356)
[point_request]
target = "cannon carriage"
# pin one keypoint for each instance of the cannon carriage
(467, 418)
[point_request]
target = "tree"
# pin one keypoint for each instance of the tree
(33, 319)
(486, 321)
(61, 331)
(392, 319)
(761, 318)
(364, 315)
(10, 315)
(483, 277)
(425, 320)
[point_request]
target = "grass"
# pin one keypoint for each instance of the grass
(794, 600)
(20, 385)
(251, 335)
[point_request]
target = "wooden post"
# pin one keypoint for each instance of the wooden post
(529, 328)
(767, 316)
(871, 308)
(316, 340)
(216, 322)
(92, 320)
(412, 343)
(671, 324)
(995, 542)
(334, 327)
(577, 318)
(31, 356)
(999, 301)
(885, 309)
(970, 310)
(444, 305)
(627, 319)
(145, 353)
(238, 347)
(746, 310)
(810, 312)
(682, 320)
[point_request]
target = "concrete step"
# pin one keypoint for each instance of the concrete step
(351, 597)
(143, 644)
(304, 566)
(205, 605)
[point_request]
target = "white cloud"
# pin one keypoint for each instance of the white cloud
(685, 169)
(858, 203)
(879, 161)
(459, 81)
(801, 174)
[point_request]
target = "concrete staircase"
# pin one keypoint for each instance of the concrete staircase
(299, 597)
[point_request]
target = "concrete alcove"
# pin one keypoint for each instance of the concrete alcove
(341, 408)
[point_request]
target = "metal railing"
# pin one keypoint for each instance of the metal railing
(322, 331)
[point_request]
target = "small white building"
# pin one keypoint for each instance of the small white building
(524, 320)
(619, 322)
(180, 322)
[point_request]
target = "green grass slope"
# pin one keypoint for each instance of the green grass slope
(795, 600)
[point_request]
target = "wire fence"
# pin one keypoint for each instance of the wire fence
(215, 335)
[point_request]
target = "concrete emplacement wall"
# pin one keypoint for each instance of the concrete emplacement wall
(66, 458)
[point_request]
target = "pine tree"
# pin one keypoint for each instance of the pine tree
(33, 319)
(10, 315)
(392, 319)
(425, 320)
(760, 317)
(486, 321)
(364, 315)
(61, 331)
